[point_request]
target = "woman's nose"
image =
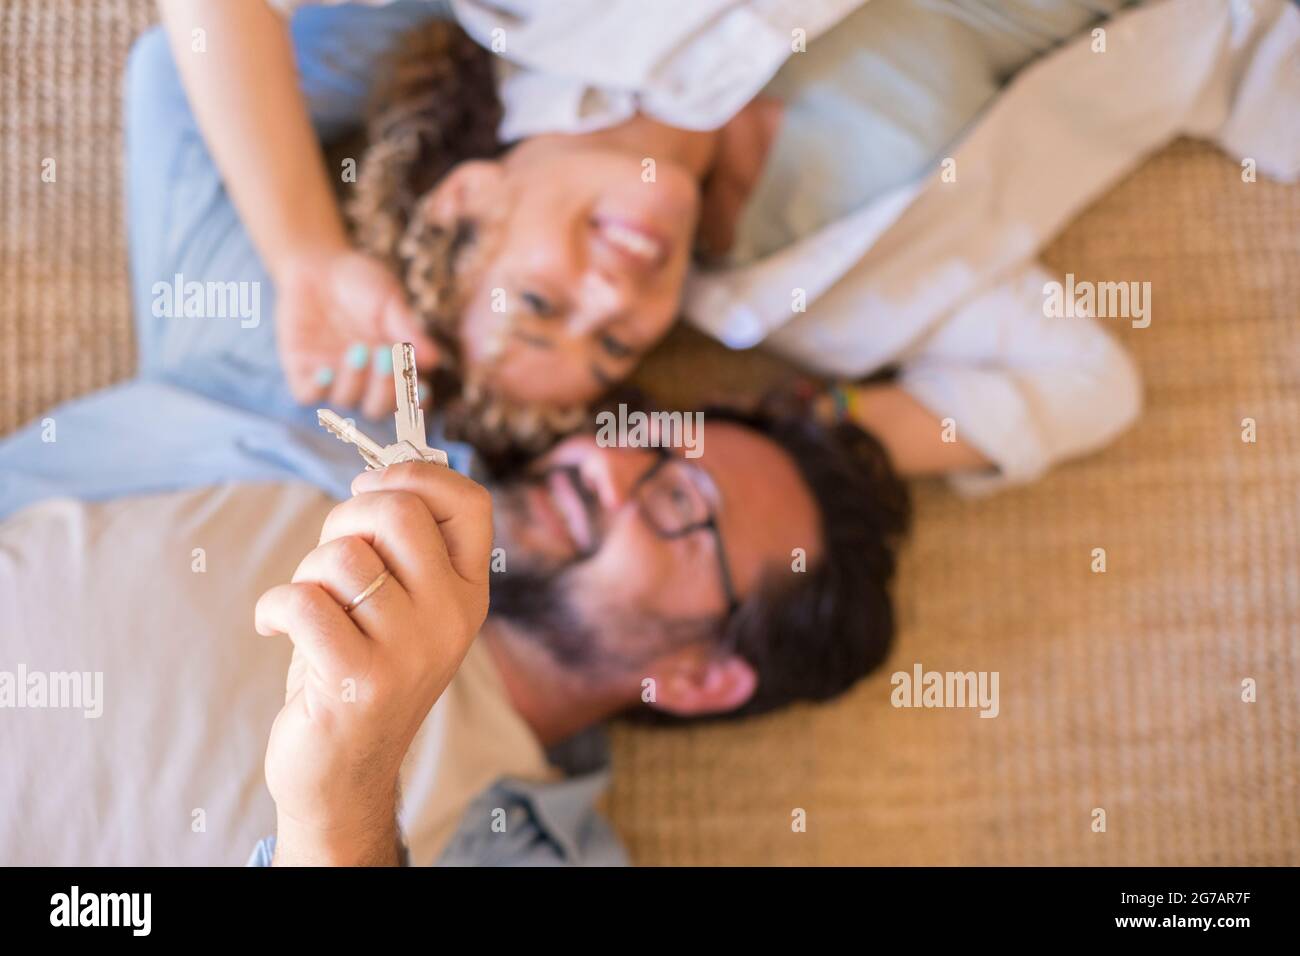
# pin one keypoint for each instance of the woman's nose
(600, 299)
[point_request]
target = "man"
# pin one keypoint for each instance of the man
(635, 578)
(623, 580)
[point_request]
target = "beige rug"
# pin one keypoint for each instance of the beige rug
(1120, 691)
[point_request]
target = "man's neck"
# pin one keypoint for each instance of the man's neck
(556, 704)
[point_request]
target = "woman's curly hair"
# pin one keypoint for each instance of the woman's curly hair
(436, 107)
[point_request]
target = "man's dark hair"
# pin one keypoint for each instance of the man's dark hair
(811, 635)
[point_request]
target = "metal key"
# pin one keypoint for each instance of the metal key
(411, 444)
(344, 430)
(409, 414)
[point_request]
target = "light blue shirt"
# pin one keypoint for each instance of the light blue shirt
(876, 100)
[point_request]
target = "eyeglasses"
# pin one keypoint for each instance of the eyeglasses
(673, 497)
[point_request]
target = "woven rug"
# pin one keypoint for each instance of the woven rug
(1120, 691)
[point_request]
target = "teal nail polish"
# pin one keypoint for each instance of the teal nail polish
(422, 391)
(384, 361)
(324, 376)
(358, 356)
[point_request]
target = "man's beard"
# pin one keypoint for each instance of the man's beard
(537, 604)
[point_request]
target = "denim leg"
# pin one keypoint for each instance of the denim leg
(181, 222)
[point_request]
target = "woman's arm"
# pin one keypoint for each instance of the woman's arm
(243, 89)
(1015, 387)
(331, 300)
(917, 442)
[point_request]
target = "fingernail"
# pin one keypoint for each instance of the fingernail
(358, 356)
(324, 376)
(384, 361)
(422, 392)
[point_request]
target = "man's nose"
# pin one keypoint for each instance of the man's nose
(612, 473)
(601, 298)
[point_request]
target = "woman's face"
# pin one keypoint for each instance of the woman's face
(581, 271)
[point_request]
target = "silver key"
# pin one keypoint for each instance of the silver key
(344, 430)
(409, 415)
(411, 444)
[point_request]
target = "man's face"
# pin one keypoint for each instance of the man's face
(605, 565)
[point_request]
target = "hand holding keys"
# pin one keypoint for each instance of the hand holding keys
(392, 598)
(411, 444)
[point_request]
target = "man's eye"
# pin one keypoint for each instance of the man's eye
(614, 348)
(682, 503)
(538, 304)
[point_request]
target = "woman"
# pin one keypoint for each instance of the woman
(546, 268)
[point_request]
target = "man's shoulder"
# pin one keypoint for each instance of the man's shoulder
(537, 823)
(555, 822)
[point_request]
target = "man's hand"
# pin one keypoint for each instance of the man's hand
(338, 313)
(361, 683)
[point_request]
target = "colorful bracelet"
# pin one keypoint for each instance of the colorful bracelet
(842, 396)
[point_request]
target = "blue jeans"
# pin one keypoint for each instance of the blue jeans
(180, 220)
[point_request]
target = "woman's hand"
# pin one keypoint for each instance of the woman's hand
(337, 307)
(362, 681)
(338, 314)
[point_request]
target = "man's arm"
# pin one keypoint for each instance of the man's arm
(377, 845)
(362, 681)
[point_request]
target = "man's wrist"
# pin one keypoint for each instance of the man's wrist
(368, 843)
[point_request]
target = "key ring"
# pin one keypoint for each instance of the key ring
(371, 588)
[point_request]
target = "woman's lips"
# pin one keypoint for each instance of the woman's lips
(633, 242)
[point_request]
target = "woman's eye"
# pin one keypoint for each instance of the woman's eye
(614, 348)
(538, 304)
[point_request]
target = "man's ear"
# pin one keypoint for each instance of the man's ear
(469, 191)
(697, 680)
